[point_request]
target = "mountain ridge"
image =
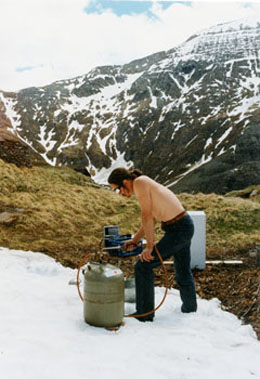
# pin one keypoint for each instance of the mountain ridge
(188, 117)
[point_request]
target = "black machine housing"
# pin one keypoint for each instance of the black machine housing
(114, 243)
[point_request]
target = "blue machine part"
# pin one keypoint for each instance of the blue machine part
(114, 243)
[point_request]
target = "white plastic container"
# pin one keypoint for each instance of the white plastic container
(198, 243)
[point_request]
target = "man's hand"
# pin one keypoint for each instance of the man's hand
(129, 245)
(146, 255)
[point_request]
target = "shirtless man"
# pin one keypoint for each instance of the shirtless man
(158, 203)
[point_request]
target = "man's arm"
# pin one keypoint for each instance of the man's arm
(138, 235)
(136, 238)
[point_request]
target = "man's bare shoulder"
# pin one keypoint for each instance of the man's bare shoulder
(143, 179)
(142, 183)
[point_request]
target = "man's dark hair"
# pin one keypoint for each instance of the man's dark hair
(120, 174)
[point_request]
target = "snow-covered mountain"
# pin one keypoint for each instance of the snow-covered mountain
(188, 117)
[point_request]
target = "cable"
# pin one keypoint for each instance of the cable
(166, 283)
(85, 259)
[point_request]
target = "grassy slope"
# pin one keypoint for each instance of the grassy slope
(64, 216)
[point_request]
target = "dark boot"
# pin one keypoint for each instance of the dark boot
(144, 318)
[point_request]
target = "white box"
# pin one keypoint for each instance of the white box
(198, 243)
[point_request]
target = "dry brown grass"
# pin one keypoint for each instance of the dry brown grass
(61, 211)
(64, 216)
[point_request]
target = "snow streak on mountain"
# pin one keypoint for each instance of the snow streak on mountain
(188, 117)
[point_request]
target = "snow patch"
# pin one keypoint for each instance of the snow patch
(43, 332)
(102, 175)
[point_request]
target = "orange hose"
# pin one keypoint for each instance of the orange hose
(84, 260)
(166, 283)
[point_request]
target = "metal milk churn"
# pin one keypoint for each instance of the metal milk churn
(103, 295)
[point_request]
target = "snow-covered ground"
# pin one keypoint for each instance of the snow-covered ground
(43, 335)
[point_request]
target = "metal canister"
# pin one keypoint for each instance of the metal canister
(103, 295)
(130, 290)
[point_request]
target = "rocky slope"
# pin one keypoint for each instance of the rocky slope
(188, 117)
(12, 149)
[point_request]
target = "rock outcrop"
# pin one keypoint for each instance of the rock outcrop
(12, 149)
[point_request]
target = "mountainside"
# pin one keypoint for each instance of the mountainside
(12, 149)
(188, 117)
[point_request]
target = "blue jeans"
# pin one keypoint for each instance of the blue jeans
(175, 242)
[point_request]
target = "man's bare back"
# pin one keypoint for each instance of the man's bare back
(164, 205)
(156, 202)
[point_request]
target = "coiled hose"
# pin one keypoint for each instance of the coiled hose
(86, 258)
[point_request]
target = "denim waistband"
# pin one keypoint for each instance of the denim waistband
(184, 221)
(174, 219)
